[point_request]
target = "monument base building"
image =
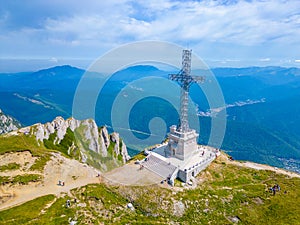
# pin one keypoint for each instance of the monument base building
(181, 144)
(181, 157)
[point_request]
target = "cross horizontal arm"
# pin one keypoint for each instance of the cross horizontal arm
(186, 78)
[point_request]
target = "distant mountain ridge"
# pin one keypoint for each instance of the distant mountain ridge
(270, 127)
(59, 77)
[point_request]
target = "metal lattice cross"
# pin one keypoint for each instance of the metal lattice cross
(185, 80)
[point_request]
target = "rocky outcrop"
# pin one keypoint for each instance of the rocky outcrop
(104, 140)
(119, 147)
(58, 125)
(87, 133)
(92, 135)
(8, 123)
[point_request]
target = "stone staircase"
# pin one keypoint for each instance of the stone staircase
(158, 166)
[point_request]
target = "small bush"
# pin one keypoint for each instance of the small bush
(4, 180)
(40, 163)
(10, 166)
(25, 179)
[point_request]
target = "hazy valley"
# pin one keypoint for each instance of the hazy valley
(262, 121)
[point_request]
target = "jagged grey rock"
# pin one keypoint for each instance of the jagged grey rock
(8, 123)
(98, 139)
(119, 148)
(92, 135)
(104, 141)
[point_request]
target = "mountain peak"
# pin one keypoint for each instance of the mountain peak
(142, 68)
(59, 70)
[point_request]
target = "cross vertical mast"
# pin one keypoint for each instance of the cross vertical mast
(185, 80)
(184, 96)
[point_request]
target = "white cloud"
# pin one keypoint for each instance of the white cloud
(265, 60)
(257, 29)
(243, 23)
(53, 59)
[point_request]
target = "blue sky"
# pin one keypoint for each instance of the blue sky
(222, 32)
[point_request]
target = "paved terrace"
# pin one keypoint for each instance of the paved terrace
(163, 166)
(158, 165)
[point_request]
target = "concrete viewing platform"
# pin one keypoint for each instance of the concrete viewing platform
(166, 167)
(202, 154)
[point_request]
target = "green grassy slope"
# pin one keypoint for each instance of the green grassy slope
(19, 143)
(227, 192)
